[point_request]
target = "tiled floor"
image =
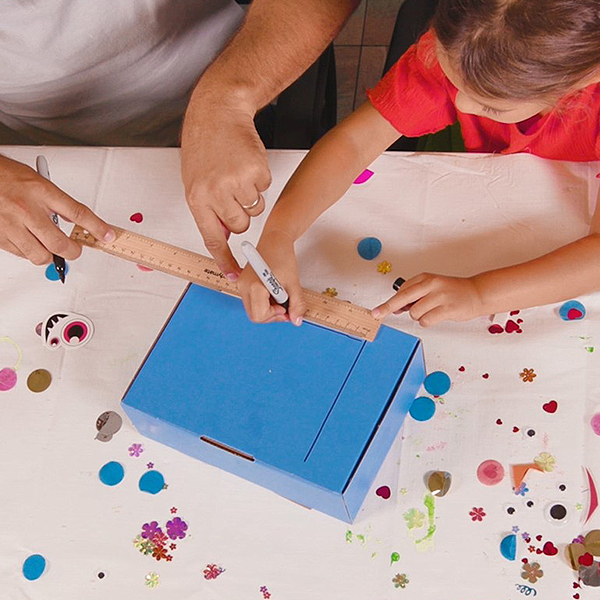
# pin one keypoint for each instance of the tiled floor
(361, 49)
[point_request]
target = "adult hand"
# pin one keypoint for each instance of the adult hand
(277, 248)
(430, 299)
(27, 202)
(225, 170)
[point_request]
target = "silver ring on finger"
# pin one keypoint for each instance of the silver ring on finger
(251, 206)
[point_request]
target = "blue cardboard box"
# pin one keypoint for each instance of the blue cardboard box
(307, 412)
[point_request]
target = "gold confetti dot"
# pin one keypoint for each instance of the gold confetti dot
(39, 380)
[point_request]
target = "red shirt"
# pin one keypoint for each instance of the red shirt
(417, 98)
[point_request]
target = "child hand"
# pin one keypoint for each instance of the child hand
(431, 299)
(277, 248)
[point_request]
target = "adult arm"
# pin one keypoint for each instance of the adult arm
(224, 163)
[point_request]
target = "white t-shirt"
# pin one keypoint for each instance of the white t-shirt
(108, 72)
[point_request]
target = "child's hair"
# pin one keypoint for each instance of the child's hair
(521, 49)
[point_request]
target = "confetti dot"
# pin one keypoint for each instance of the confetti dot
(363, 177)
(51, 273)
(369, 248)
(594, 422)
(572, 311)
(394, 557)
(437, 383)
(34, 567)
(422, 408)
(39, 380)
(101, 575)
(508, 547)
(152, 482)
(111, 473)
(490, 472)
(8, 379)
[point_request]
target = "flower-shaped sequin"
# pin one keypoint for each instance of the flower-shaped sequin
(532, 572)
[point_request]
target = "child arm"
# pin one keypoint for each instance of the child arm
(320, 180)
(567, 272)
(329, 169)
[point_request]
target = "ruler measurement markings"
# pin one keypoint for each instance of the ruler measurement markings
(333, 313)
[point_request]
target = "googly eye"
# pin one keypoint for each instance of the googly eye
(562, 487)
(528, 432)
(529, 503)
(100, 575)
(510, 509)
(557, 513)
(76, 332)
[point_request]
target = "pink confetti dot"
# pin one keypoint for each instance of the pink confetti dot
(595, 423)
(8, 379)
(490, 472)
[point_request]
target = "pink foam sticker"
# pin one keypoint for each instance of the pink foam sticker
(490, 472)
(364, 176)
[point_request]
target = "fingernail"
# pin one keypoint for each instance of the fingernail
(232, 276)
(298, 321)
(110, 236)
(376, 313)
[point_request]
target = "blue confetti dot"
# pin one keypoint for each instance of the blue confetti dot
(33, 567)
(422, 408)
(51, 273)
(508, 547)
(572, 311)
(437, 383)
(112, 473)
(152, 482)
(369, 248)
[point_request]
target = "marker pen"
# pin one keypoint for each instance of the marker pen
(264, 273)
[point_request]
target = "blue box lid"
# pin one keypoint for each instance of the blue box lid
(305, 400)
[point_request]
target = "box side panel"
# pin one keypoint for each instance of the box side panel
(364, 400)
(280, 482)
(385, 434)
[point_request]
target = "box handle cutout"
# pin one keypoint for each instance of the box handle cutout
(227, 448)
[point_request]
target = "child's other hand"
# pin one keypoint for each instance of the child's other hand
(431, 299)
(277, 248)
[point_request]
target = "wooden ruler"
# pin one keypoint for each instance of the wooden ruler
(323, 310)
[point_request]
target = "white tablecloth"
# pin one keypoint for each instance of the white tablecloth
(454, 214)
